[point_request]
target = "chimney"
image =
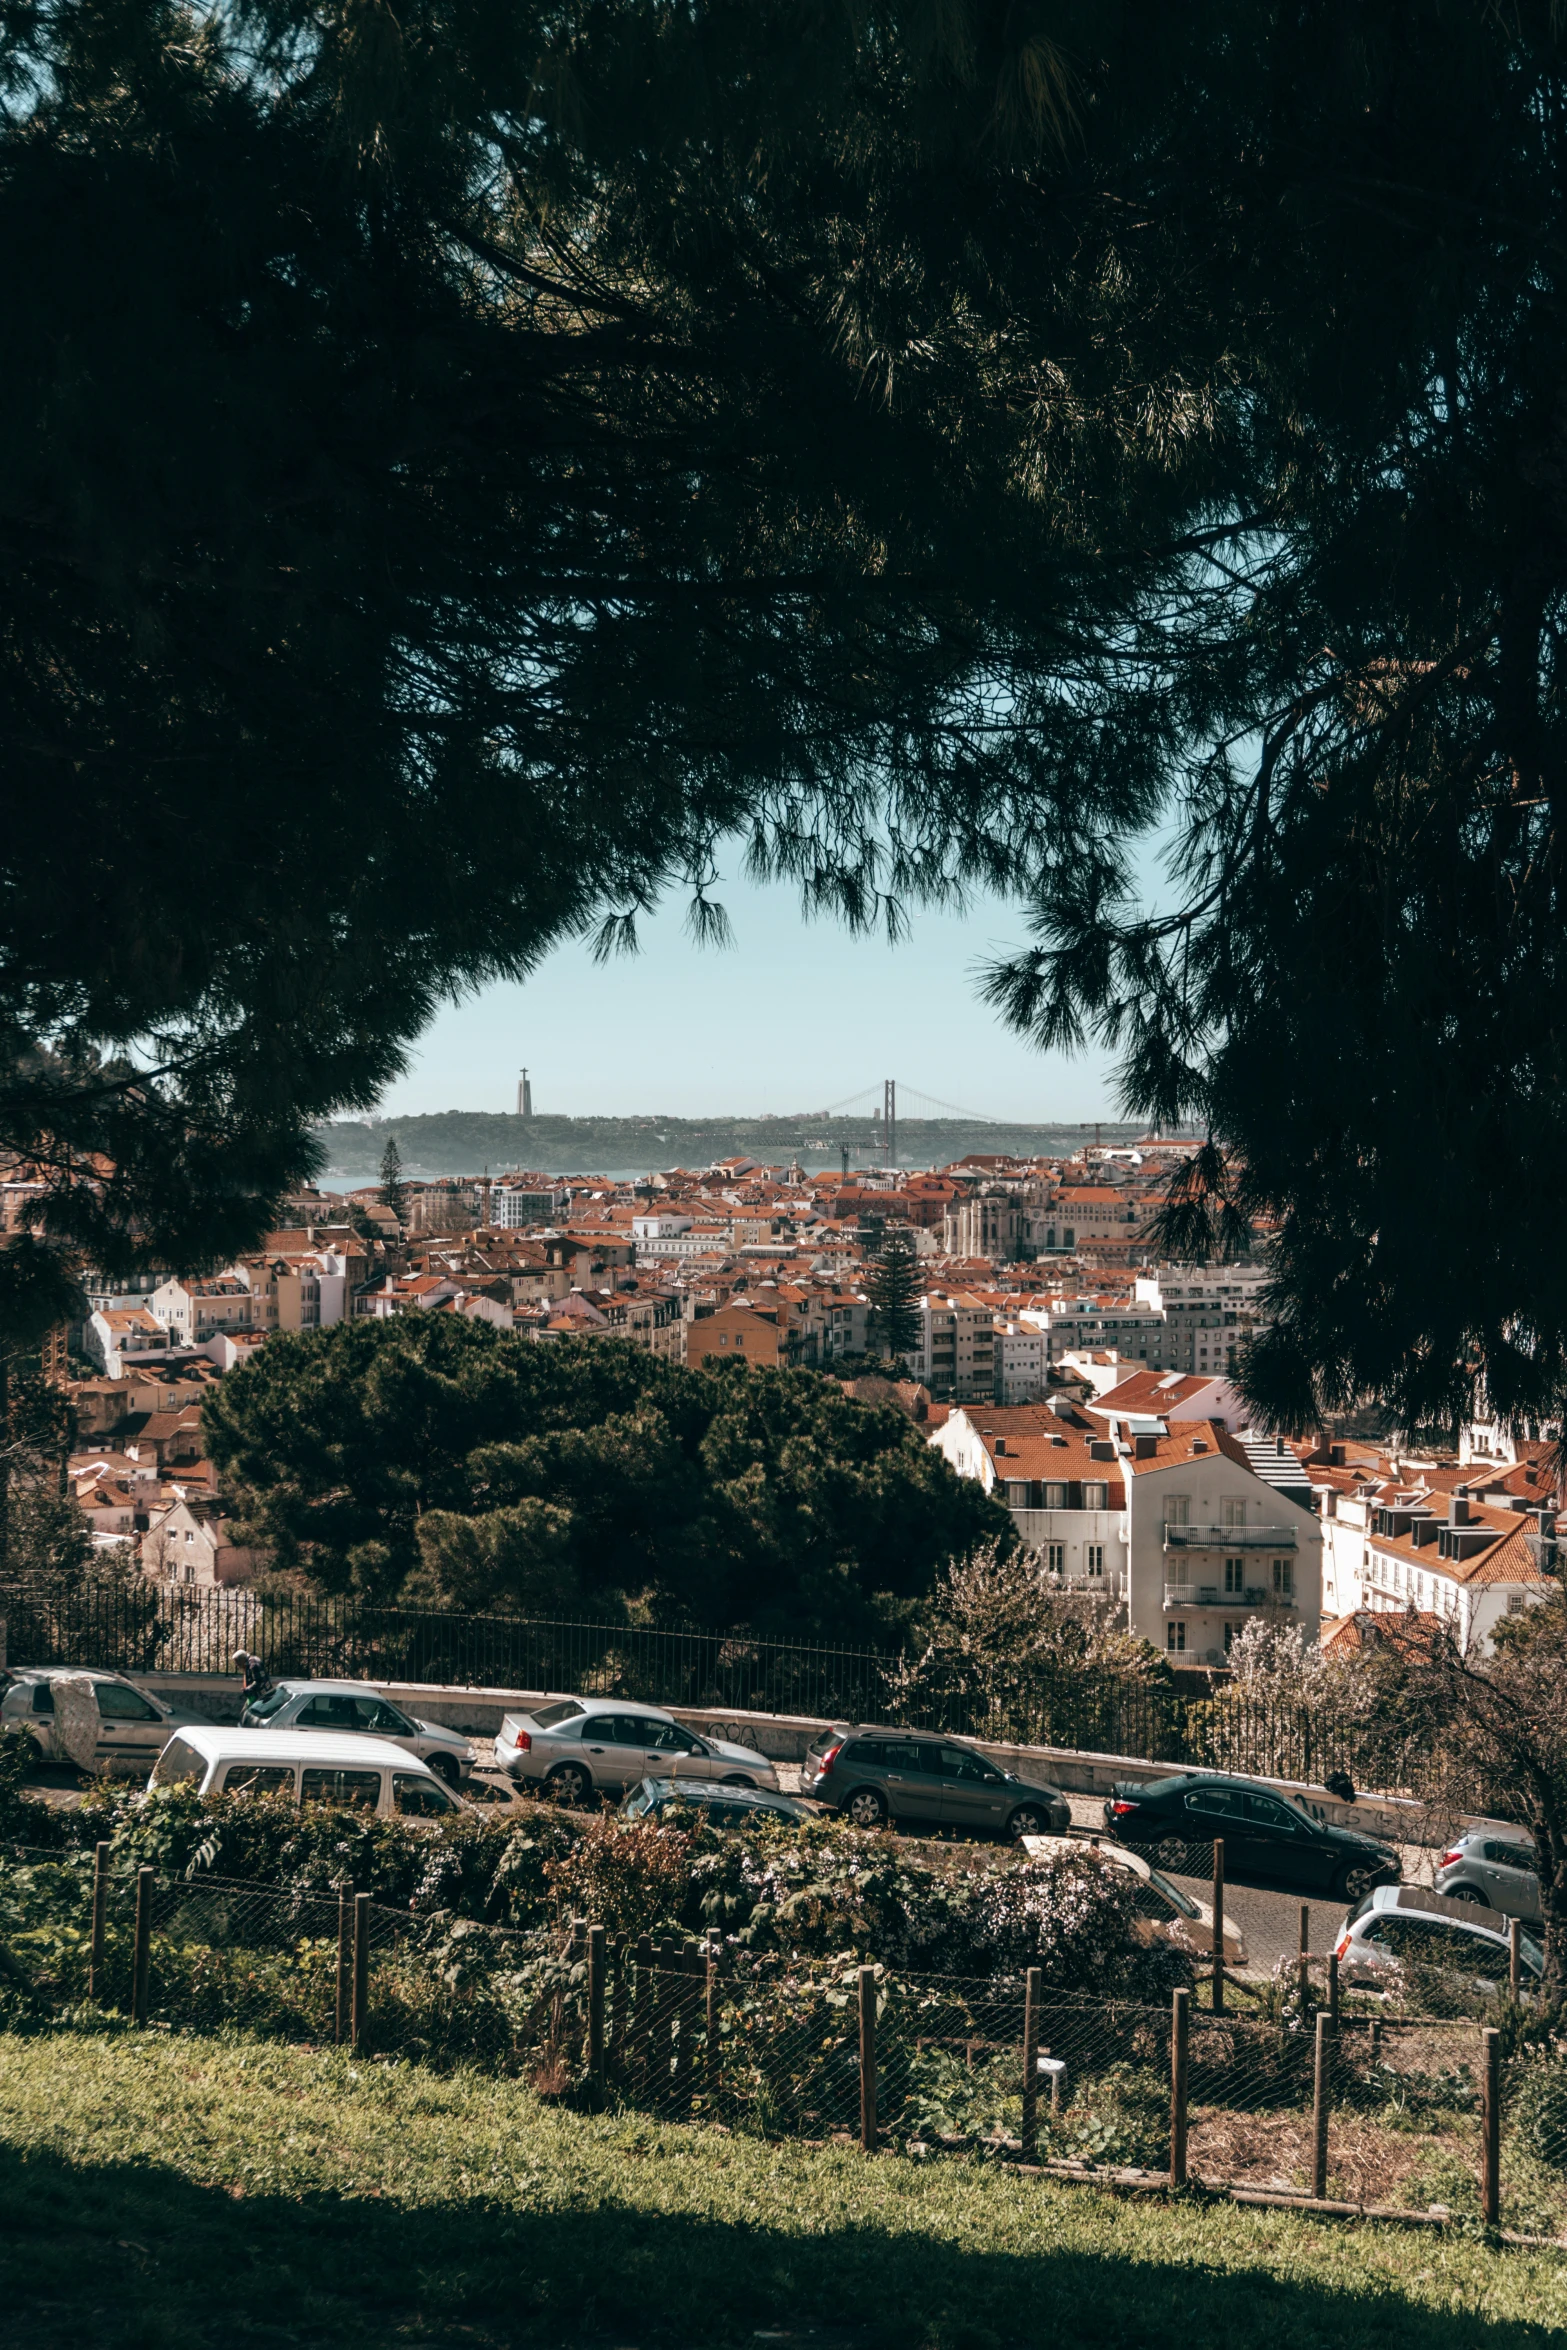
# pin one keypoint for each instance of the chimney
(1458, 1510)
(1001, 1445)
(1147, 1447)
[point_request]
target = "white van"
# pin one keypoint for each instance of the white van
(308, 1766)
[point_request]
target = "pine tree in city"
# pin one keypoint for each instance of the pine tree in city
(893, 1287)
(394, 1192)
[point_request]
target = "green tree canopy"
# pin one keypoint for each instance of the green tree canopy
(393, 1190)
(507, 458)
(893, 1287)
(443, 1462)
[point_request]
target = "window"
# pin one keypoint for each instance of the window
(1234, 1511)
(1177, 1509)
(958, 1763)
(330, 1713)
(1095, 1556)
(361, 1789)
(563, 1710)
(669, 1738)
(1096, 1497)
(1266, 1811)
(1055, 1497)
(1017, 1493)
(116, 1703)
(1221, 1802)
(1234, 1577)
(1229, 1638)
(419, 1798)
(178, 1762)
(1175, 1638)
(1283, 1578)
(247, 1778)
(1510, 1856)
(43, 1697)
(1055, 1558)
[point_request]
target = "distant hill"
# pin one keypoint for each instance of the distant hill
(464, 1142)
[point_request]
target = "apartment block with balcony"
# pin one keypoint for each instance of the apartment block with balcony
(1211, 1542)
(956, 1358)
(1062, 1481)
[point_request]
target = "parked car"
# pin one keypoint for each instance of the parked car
(722, 1804)
(1492, 1872)
(1398, 1925)
(914, 1778)
(1265, 1834)
(351, 1710)
(1169, 1913)
(134, 1726)
(305, 1766)
(577, 1748)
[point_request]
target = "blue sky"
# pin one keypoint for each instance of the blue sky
(795, 1015)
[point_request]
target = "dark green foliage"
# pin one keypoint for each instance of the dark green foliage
(893, 1285)
(451, 1464)
(506, 457)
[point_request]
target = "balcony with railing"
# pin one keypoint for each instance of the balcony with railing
(1201, 1595)
(1229, 1538)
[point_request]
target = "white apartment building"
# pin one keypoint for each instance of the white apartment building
(956, 1355)
(1208, 1312)
(513, 1205)
(1061, 1481)
(1131, 1329)
(1021, 1361)
(1201, 1541)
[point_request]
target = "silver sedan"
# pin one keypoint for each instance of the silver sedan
(350, 1707)
(576, 1748)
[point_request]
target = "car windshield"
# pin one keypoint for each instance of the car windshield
(178, 1761)
(562, 1709)
(263, 1708)
(1183, 1901)
(1155, 1789)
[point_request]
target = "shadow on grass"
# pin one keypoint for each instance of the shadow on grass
(139, 2258)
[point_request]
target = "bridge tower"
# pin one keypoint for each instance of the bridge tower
(889, 1119)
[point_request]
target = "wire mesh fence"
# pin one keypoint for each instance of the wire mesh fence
(1368, 2109)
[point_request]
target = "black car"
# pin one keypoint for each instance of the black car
(1265, 1834)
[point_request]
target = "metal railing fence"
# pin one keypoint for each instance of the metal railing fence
(142, 1626)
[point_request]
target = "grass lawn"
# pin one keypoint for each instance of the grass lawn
(162, 2192)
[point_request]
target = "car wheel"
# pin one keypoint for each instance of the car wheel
(1469, 1893)
(569, 1784)
(1355, 1882)
(445, 1767)
(866, 1809)
(1170, 1852)
(1026, 1821)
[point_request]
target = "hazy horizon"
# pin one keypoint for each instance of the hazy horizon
(797, 1012)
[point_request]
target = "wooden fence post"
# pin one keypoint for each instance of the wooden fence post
(1320, 2100)
(597, 1958)
(1032, 1981)
(868, 2059)
(100, 1915)
(1218, 1925)
(360, 2018)
(1180, 2030)
(1305, 1955)
(1490, 2128)
(1514, 1930)
(345, 1946)
(142, 1966)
